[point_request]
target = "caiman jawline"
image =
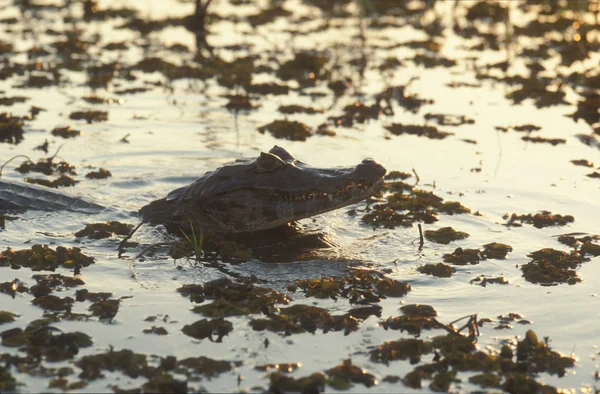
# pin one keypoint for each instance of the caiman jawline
(344, 190)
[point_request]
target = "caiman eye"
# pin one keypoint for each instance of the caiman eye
(268, 162)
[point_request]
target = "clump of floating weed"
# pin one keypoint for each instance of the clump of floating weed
(104, 230)
(342, 376)
(416, 318)
(407, 204)
(89, 116)
(440, 270)
(42, 257)
(231, 298)
(445, 235)
(285, 129)
(550, 267)
(65, 132)
(361, 286)
(11, 128)
(421, 131)
(204, 328)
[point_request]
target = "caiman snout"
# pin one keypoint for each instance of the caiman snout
(369, 168)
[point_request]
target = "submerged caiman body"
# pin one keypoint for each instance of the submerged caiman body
(23, 196)
(247, 195)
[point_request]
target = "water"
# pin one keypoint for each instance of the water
(180, 130)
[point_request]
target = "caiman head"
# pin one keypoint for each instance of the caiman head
(269, 191)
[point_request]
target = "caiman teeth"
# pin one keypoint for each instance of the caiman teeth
(349, 188)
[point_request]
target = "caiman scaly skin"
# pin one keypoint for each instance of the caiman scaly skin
(244, 196)
(264, 192)
(22, 196)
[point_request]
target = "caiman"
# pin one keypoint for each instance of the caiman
(244, 196)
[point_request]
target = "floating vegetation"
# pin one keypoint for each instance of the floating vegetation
(40, 340)
(8, 101)
(281, 367)
(105, 309)
(204, 328)
(440, 270)
(269, 88)
(305, 318)
(462, 256)
(360, 113)
(492, 250)
(233, 298)
(432, 61)
(342, 376)
(406, 204)
(421, 131)
(11, 128)
(496, 250)
(46, 166)
(89, 116)
(457, 353)
(550, 267)
(403, 349)
(53, 303)
(294, 109)
(314, 383)
(360, 287)
(449, 120)
(100, 174)
(44, 258)
(268, 16)
(285, 129)
(587, 109)
(573, 241)
(590, 248)
(306, 68)
(238, 102)
(551, 141)
(415, 319)
(46, 283)
(504, 321)
(129, 363)
(539, 220)
(583, 163)
(395, 175)
(13, 287)
(65, 132)
(7, 317)
(483, 280)
(156, 330)
(61, 181)
(104, 230)
(445, 235)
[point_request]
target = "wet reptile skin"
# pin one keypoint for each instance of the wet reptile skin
(250, 194)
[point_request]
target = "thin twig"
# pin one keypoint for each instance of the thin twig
(122, 243)
(416, 175)
(421, 241)
(11, 159)
(57, 150)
